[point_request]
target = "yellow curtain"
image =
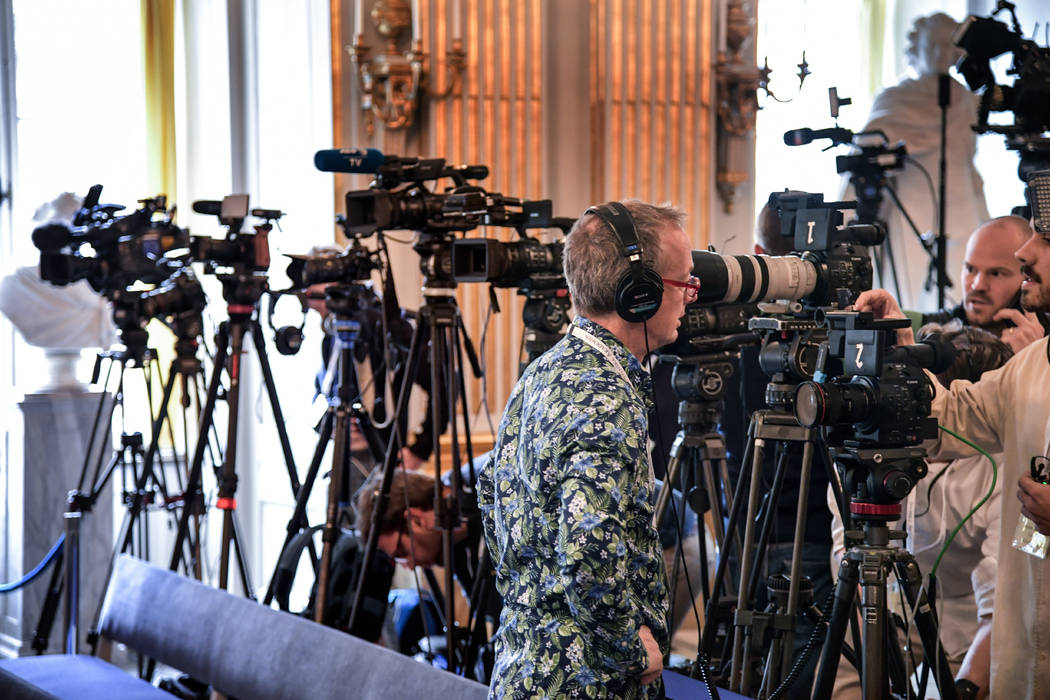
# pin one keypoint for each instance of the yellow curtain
(158, 54)
(158, 40)
(873, 19)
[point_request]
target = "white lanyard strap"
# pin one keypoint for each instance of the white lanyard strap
(604, 349)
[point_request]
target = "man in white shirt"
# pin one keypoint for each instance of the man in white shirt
(1007, 411)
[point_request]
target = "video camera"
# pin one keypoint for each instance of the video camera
(867, 168)
(526, 263)
(239, 250)
(985, 38)
(399, 199)
(355, 264)
(111, 252)
(179, 295)
(874, 398)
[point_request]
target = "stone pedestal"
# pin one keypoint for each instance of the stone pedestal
(57, 429)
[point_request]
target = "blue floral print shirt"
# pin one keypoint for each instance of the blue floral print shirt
(567, 504)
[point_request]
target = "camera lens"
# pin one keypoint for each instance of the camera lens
(834, 404)
(810, 404)
(751, 278)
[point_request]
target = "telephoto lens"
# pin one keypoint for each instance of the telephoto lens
(746, 279)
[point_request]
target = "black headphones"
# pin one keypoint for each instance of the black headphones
(640, 290)
(287, 339)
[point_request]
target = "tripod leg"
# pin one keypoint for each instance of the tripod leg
(42, 634)
(193, 481)
(331, 528)
(926, 622)
(228, 476)
(389, 462)
(841, 612)
(298, 520)
(796, 553)
(873, 614)
(707, 637)
(275, 404)
(443, 361)
(740, 675)
(72, 547)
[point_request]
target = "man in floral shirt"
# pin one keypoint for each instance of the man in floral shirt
(567, 500)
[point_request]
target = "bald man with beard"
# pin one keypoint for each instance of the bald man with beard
(991, 283)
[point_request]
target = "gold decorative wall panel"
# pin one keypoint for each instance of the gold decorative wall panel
(497, 120)
(650, 93)
(640, 123)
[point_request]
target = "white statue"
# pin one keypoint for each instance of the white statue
(909, 111)
(62, 320)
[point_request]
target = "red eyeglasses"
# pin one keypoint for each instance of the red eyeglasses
(691, 286)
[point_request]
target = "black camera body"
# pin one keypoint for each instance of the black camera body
(838, 251)
(179, 295)
(239, 251)
(874, 391)
(874, 399)
(111, 252)
(355, 264)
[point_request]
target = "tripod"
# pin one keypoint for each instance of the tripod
(65, 576)
(868, 565)
(868, 178)
(440, 320)
(242, 291)
(344, 301)
(747, 630)
(697, 465)
(187, 370)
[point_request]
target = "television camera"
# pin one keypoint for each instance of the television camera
(1028, 98)
(111, 252)
(240, 260)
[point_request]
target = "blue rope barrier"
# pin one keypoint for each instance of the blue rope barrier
(39, 569)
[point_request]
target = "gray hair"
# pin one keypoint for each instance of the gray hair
(594, 259)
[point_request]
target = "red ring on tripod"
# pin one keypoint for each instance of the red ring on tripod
(246, 309)
(226, 503)
(875, 508)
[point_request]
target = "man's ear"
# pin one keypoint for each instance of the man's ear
(415, 516)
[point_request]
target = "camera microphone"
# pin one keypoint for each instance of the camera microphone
(1038, 195)
(212, 207)
(349, 160)
(800, 137)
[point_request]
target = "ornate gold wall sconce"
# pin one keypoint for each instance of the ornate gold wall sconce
(392, 81)
(737, 82)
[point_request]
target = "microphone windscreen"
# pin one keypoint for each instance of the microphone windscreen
(208, 206)
(349, 160)
(51, 236)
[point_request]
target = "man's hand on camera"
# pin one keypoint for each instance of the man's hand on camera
(881, 304)
(656, 659)
(1035, 502)
(1026, 329)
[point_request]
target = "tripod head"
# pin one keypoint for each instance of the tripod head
(545, 315)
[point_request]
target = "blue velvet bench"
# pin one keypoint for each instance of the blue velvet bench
(241, 648)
